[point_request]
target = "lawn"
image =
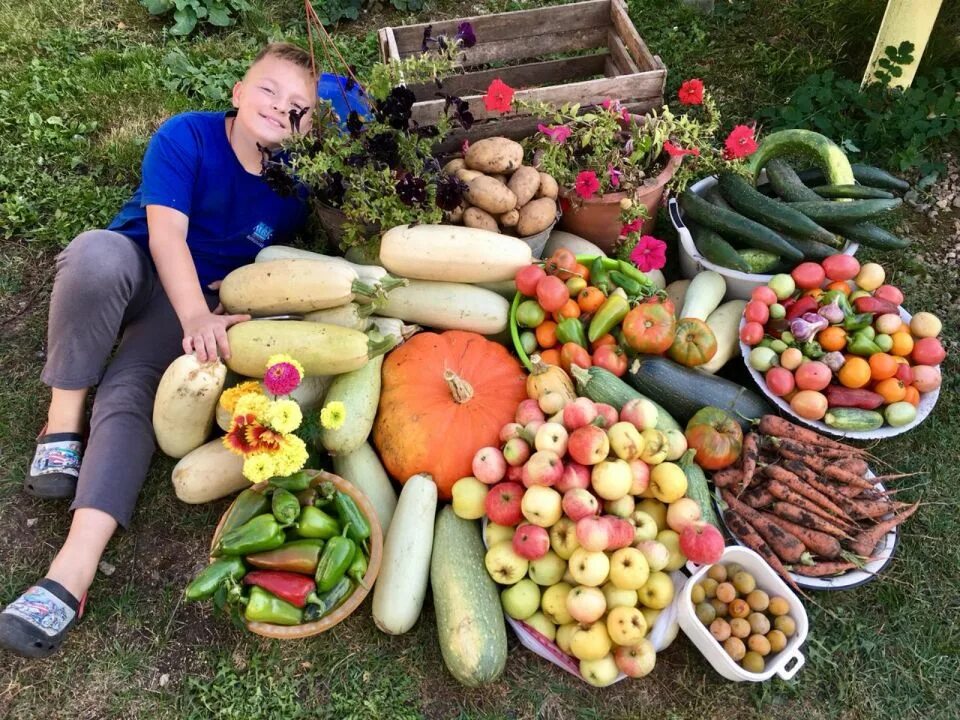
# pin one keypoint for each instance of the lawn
(85, 84)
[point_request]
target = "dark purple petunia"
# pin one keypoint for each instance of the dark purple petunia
(411, 190)
(383, 148)
(450, 190)
(354, 123)
(427, 37)
(396, 108)
(465, 35)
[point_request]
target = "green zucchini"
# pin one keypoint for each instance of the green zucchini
(772, 213)
(603, 386)
(697, 488)
(844, 212)
(871, 235)
(683, 391)
(717, 250)
(853, 192)
(841, 418)
(820, 149)
(731, 223)
(359, 391)
(760, 261)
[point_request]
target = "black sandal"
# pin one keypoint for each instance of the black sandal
(56, 466)
(36, 623)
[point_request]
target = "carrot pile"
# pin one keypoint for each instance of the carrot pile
(804, 503)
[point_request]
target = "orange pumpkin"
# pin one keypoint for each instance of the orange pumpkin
(444, 396)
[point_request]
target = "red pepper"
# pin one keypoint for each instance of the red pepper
(292, 587)
(875, 305)
(802, 305)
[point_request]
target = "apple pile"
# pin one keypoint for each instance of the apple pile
(585, 512)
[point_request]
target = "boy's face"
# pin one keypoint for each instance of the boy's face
(264, 98)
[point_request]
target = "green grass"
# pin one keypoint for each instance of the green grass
(85, 84)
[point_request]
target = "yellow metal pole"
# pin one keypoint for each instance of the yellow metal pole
(904, 20)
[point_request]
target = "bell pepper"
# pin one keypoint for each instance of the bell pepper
(300, 480)
(300, 556)
(805, 304)
(247, 506)
(358, 566)
(351, 517)
(571, 330)
(265, 607)
(315, 523)
(336, 559)
(610, 314)
(261, 533)
(599, 277)
(205, 584)
(629, 285)
(875, 306)
(285, 506)
(329, 600)
(857, 322)
(298, 590)
(862, 344)
(326, 492)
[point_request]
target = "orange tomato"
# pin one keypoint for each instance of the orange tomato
(582, 270)
(855, 372)
(882, 366)
(590, 299)
(832, 338)
(550, 357)
(547, 334)
(912, 395)
(815, 293)
(902, 344)
(570, 309)
(607, 339)
(841, 286)
(891, 390)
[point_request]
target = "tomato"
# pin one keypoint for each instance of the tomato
(528, 341)
(751, 333)
(573, 354)
(841, 267)
(650, 328)
(561, 263)
(611, 358)
(808, 275)
(757, 311)
(552, 293)
(694, 344)
(607, 339)
(809, 404)
(590, 299)
(889, 292)
(575, 285)
(764, 295)
(813, 375)
(550, 357)
(780, 381)
(928, 351)
(527, 279)
(570, 309)
(582, 271)
(547, 334)
(716, 437)
(925, 378)
(529, 314)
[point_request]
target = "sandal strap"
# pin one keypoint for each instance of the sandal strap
(47, 606)
(58, 453)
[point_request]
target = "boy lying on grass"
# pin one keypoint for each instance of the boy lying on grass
(149, 280)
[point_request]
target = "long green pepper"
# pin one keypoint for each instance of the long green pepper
(358, 566)
(261, 533)
(205, 584)
(329, 600)
(336, 559)
(610, 314)
(315, 523)
(265, 607)
(247, 506)
(294, 483)
(353, 519)
(598, 275)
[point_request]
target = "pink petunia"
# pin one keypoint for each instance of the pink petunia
(587, 184)
(614, 175)
(556, 133)
(649, 254)
(740, 143)
(631, 227)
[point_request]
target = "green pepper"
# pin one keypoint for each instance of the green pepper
(336, 558)
(268, 608)
(857, 322)
(301, 556)
(261, 533)
(862, 344)
(294, 483)
(325, 495)
(205, 584)
(285, 506)
(247, 506)
(637, 275)
(315, 523)
(613, 310)
(630, 286)
(571, 330)
(352, 517)
(598, 275)
(358, 567)
(329, 600)
(307, 497)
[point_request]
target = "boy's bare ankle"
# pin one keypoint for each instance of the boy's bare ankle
(67, 411)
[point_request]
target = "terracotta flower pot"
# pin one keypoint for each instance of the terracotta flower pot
(598, 219)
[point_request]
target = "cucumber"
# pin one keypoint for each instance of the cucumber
(603, 386)
(864, 174)
(717, 250)
(759, 261)
(714, 196)
(697, 488)
(787, 182)
(731, 223)
(854, 192)
(772, 213)
(871, 235)
(853, 419)
(811, 249)
(843, 212)
(683, 391)
(818, 148)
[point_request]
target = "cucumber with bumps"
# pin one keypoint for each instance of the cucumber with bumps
(820, 149)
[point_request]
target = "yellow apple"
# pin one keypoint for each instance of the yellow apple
(589, 568)
(563, 537)
(657, 593)
(547, 570)
(655, 509)
(591, 643)
(504, 565)
(553, 603)
(564, 634)
(600, 672)
(618, 597)
(497, 533)
(668, 481)
(628, 569)
(671, 539)
(522, 600)
(469, 496)
(650, 615)
(625, 441)
(682, 512)
(637, 660)
(586, 604)
(543, 626)
(626, 626)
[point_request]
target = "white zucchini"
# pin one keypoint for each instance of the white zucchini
(208, 473)
(366, 273)
(452, 253)
(359, 391)
(448, 306)
(504, 288)
(574, 243)
(402, 584)
(677, 292)
(704, 295)
(185, 404)
(394, 327)
(363, 469)
(657, 278)
(725, 323)
(350, 315)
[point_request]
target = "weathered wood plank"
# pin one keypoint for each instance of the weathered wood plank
(611, 68)
(533, 46)
(630, 37)
(620, 55)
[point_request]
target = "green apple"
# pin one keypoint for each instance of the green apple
(600, 672)
(469, 495)
(553, 603)
(671, 539)
(657, 593)
(543, 626)
(522, 600)
(618, 597)
(547, 570)
(497, 533)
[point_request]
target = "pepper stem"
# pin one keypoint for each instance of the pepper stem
(460, 389)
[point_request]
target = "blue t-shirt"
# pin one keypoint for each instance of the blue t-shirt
(189, 166)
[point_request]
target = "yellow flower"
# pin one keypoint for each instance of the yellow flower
(284, 358)
(251, 404)
(259, 467)
(283, 415)
(292, 456)
(229, 397)
(333, 415)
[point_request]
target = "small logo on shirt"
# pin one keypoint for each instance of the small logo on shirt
(261, 235)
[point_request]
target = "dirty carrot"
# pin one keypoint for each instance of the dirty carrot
(787, 547)
(749, 455)
(778, 427)
(867, 541)
(817, 542)
(752, 539)
(856, 465)
(800, 470)
(758, 498)
(823, 569)
(791, 481)
(874, 509)
(728, 477)
(800, 516)
(782, 492)
(837, 473)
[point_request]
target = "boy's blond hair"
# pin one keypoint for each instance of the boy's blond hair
(285, 51)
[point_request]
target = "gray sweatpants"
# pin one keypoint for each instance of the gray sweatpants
(106, 288)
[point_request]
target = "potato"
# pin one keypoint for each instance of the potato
(491, 195)
(536, 216)
(494, 155)
(455, 215)
(548, 187)
(467, 175)
(510, 219)
(474, 217)
(456, 164)
(499, 178)
(524, 183)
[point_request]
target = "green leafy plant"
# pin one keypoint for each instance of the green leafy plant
(331, 12)
(187, 14)
(209, 80)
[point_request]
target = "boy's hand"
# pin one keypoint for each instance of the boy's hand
(205, 335)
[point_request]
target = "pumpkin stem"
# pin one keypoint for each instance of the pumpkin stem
(461, 390)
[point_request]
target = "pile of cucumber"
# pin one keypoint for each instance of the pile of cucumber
(793, 216)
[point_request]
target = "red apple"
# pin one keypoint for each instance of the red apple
(503, 503)
(620, 533)
(528, 411)
(579, 503)
(593, 534)
(578, 413)
(574, 475)
(514, 473)
(639, 412)
(516, 452)
(635, 661)
(531, 541)
(543, 468)
(641, 476)
(702, 543)
(608, 413)
(510, 431)
(588, 445)
(489, 466)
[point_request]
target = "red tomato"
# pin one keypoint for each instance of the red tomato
(607, 339)
(764, 294)
(573, 354)
(528, 278)
(611, 358)
(808, 275)
(780, 381)
(813, 375)
(716, 437)
(840, 267)
(562, 263)
(757, 311)
(552, 293)
(751, 333)
(889, 292)
(650, 327)
(928, 351)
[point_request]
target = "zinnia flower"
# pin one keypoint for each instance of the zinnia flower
(557, 134)
(649, 254)
(258, 467)
(499, 96)
(283, 375)
(587, 184)
(333, 415)
(284, 416)
(740, 143)
(691, 92)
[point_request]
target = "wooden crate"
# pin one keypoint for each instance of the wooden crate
(609, 60)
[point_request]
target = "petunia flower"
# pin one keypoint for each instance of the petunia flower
(649, 254)
(691, 92)
(614, 175)
(587, 184)
(333, 415)
(499, 96)
(465, 35)
(631, 227)
(740, 143)
(556, 133)
(677, 151)
(450, 190)
(411, 190)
